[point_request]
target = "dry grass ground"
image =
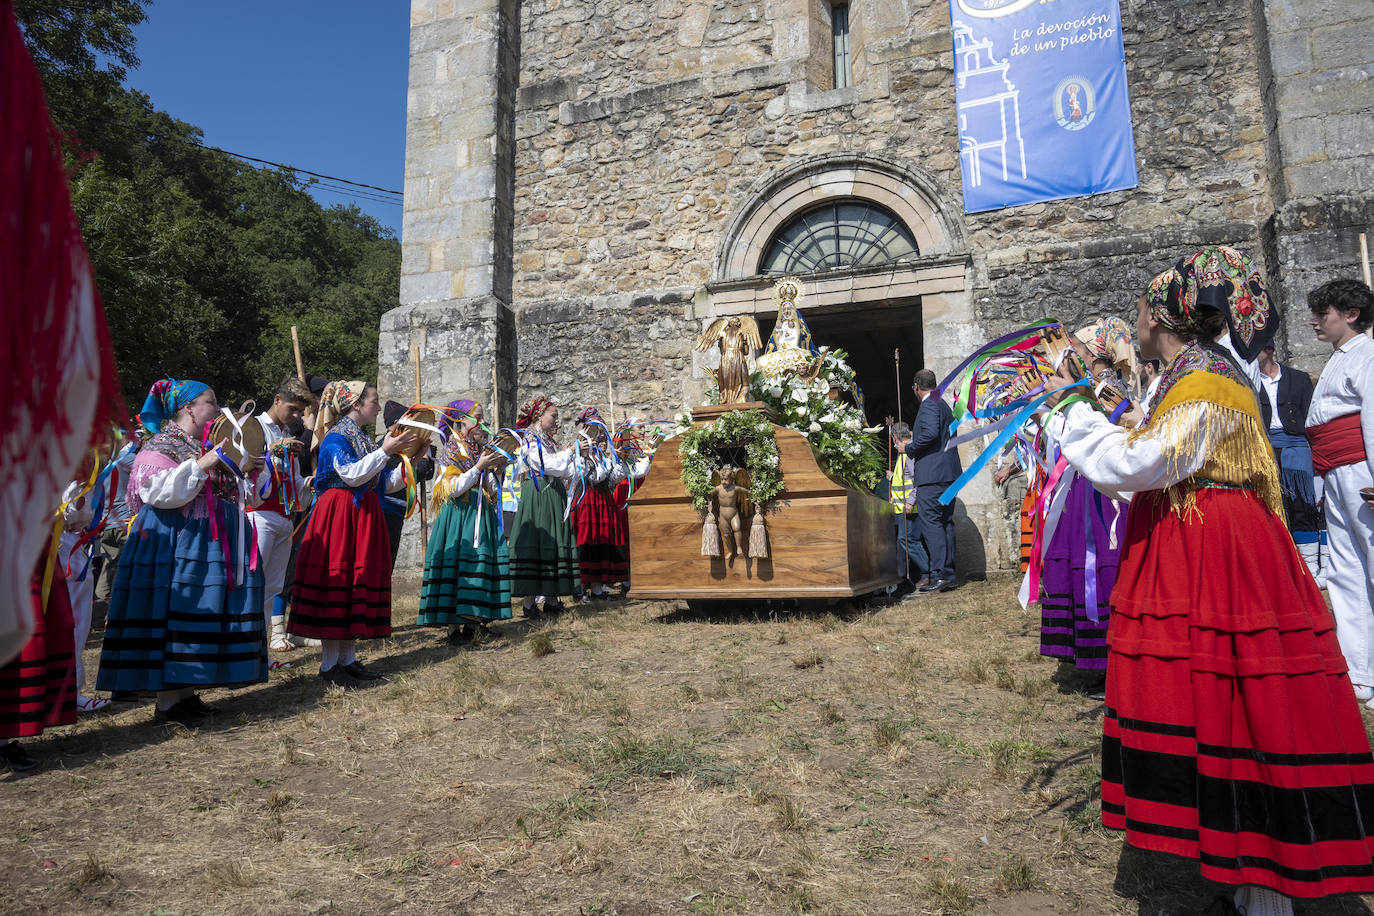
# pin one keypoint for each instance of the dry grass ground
(630, 758)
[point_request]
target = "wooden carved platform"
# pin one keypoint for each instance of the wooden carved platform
(825, 540)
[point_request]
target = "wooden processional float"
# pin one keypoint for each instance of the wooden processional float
(825, 540)
(815, 538)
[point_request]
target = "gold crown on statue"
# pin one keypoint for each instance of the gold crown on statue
(788, 289)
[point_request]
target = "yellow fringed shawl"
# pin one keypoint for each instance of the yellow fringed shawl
(1230, 432)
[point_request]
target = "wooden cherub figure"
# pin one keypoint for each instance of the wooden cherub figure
(732, 500)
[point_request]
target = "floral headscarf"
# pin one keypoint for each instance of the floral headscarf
(336, 400)
(1164, 297)
(531, 412)
(1226, 280)
(165, 398)
(1110, 339)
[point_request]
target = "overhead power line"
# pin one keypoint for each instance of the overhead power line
(396, 195)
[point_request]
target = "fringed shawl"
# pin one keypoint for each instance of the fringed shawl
(1206, 413)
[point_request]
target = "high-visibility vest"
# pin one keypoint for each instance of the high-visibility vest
(899, 488)
(510, 490)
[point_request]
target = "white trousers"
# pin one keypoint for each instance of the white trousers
(1350, 539)
(82, 593)
(273, 532)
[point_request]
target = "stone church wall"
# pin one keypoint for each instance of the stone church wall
(574, 168)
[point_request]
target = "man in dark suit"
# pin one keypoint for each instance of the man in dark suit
(935, 470)
(1285, 394)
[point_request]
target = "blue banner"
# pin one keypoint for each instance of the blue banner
(1040, 89)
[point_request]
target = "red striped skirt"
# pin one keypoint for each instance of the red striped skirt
(602, 537)
(38, 689)
(1232, 734)
(343, 570)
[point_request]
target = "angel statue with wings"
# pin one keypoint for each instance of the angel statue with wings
(738, 336)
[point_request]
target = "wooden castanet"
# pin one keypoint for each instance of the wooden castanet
(824, 539)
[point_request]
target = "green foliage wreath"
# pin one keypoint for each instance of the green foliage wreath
(741, 429)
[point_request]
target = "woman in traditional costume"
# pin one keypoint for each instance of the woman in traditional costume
(602, 531)
(342, 591)
(1083, 552)
(543, 544)
(186, 612)
(467, 568)
(1229, 735)
(38, 687)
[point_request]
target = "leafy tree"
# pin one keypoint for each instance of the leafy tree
(203, 261)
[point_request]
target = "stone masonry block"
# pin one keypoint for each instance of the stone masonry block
(1348, 45)
(428, 287)
(1290, 53)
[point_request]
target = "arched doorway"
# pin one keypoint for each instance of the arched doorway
(882, 263)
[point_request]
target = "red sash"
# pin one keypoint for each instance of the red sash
(272, 503)
(1336, 443)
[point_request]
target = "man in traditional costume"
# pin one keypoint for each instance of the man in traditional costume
(343, 569)
(467, 567)
(187, 607)
(543, 545)
(1229, 736)
(1340, 427)
(284, 492)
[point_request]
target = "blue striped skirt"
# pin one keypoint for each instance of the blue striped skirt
(175, 620)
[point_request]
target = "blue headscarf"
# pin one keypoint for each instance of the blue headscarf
(165, 398)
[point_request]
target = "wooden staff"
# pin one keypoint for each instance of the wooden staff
(1364, 263)
(495, 398)
(897, 363)
(296, 346)
(610, 415)
(424, 521)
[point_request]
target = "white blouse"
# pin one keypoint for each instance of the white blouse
(1119, 466)
(359, 472)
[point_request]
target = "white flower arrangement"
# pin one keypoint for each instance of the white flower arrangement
(845, 446)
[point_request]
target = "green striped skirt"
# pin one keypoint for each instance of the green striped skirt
(464, 582)
(543, 545)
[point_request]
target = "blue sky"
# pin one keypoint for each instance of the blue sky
(317, 85)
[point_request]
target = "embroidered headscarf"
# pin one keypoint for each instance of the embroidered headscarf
(590, 415)
(1226, 280)
(1164, 297)
(337, 399)
(453, 417)
(165, 398)
(531, 412)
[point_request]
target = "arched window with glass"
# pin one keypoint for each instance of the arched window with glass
(838, 234)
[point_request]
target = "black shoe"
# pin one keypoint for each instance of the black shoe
(356, 669)
(198, 706)
(531, 613)
(181, 713)
(949, 585)
(339, 677)
(461, 635)
(904, 588)
(554, 606)
(932, 585)
(17, 758)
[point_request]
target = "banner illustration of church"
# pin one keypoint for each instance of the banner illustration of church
(1043, 108)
